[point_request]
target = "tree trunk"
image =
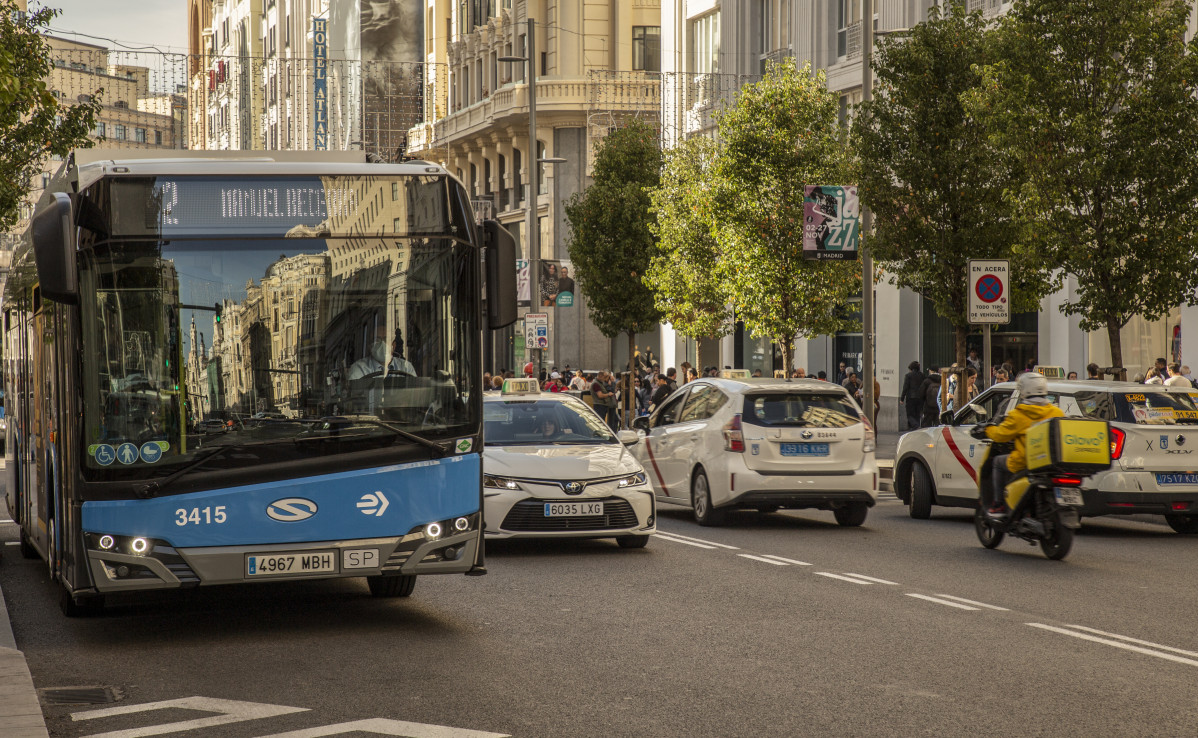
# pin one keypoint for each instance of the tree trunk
(788, 353)
(629, 400)
(960, 333)
(1116, 341)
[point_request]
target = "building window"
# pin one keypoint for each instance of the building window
(705, 44)
(118, 132)
(45, 180)
(646, 48)
(139, 135)
(395, 192)
(848, 12)
(100, 129)
(157, 138)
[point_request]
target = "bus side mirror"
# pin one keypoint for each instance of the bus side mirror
(500, 255)
(54, 251)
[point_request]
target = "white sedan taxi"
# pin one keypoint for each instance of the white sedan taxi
(553, 469)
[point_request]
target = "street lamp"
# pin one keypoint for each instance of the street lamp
(534, 232)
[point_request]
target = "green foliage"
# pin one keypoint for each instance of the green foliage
(783, 133)
(33, 123)
(1095, 102)
(684, 274)
(610, 241)
(929, 175)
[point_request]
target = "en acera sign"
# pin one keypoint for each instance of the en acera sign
(989, 291)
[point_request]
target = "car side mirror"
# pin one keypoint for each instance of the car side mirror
(54, 251)
(946, 417)
(641, 423)
(980, 414)
(628, 437)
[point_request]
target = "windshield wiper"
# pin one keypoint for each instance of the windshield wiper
(151, 488)
(433, 445)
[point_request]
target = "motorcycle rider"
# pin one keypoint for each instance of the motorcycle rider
(1033, 407)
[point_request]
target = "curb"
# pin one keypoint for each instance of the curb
(20, 710)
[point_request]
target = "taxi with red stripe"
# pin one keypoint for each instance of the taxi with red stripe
(1154, 451)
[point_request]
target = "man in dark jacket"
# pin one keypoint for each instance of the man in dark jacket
(911, 397)
(930, 390)
(662, 392)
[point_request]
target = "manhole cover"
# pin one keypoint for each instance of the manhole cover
(79, 695)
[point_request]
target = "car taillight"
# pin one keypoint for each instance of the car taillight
(870, 438)
(734, 438)
(1067, 481)
(1117, 439)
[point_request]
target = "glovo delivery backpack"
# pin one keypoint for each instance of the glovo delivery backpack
(1079, 446)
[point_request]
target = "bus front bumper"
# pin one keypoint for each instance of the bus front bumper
(162, 566)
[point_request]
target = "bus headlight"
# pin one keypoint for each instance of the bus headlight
(139, 545)
(433, 530)
(461, 524)
(107, 542)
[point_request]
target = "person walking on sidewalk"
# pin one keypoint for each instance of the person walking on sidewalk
(911, 398)
(931, 396)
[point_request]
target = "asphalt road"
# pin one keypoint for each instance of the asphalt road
(698, 636)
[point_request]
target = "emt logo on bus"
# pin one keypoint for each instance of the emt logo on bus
(291, 510)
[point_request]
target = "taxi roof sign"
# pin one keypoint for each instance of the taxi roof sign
(520, 387)
(735, 373)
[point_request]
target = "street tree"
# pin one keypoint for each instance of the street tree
(929, 175)
(610, 240)
(34, 124)
(781, 134)
(1095, 102)
(684, 273)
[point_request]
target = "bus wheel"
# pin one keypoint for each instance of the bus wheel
(400, 586)
(80, 607)
(27, 549)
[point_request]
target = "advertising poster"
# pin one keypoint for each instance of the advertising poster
(831, 222)
(557, 284)
(522, 282)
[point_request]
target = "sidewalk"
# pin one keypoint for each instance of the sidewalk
(20, 711)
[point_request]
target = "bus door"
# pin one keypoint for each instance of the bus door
(42, 403)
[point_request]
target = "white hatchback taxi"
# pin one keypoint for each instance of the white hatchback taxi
(553, 469)
(1154, 435)
(762, 444)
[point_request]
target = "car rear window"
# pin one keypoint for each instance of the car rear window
(817, 409)
(1150, 408)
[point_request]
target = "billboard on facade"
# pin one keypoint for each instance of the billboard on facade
(557, 283)
(831, 222)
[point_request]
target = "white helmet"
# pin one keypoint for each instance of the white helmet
(1032, 384)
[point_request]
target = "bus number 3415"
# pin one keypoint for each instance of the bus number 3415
(198, 515)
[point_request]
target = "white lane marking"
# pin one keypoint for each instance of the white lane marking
(871, 579)
(837, 576)
(763, 559)
(1116, 644)
(700, 540)
(938, 601)
(231, 711)
(672, 539)
(383, 726)
(1133, 640)
(972, 602)
(789, 561)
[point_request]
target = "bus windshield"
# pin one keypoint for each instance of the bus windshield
(283, 349)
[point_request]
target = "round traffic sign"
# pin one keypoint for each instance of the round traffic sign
(989, 288)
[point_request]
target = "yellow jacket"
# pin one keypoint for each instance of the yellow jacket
(1014, 428)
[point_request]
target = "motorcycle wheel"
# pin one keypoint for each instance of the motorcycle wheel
(988, 533)
(1056, 546)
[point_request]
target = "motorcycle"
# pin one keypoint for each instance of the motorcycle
(1043, 504)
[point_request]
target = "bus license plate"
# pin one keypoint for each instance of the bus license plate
(572, 509)
(307, 562)
(1071, 497)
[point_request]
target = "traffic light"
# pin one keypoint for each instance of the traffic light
(217, 309)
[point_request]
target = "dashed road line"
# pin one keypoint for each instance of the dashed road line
(699, 540)
(763, 559)
(972, 602)
(830, 575)
(939, 601)
(229, 711)
(1129, 639)
(1118, 644)
(663, 537)
(875, 580)
(796, 562)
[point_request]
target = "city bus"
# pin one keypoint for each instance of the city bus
(232, 367)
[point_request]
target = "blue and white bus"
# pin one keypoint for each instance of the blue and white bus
(230, 367)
